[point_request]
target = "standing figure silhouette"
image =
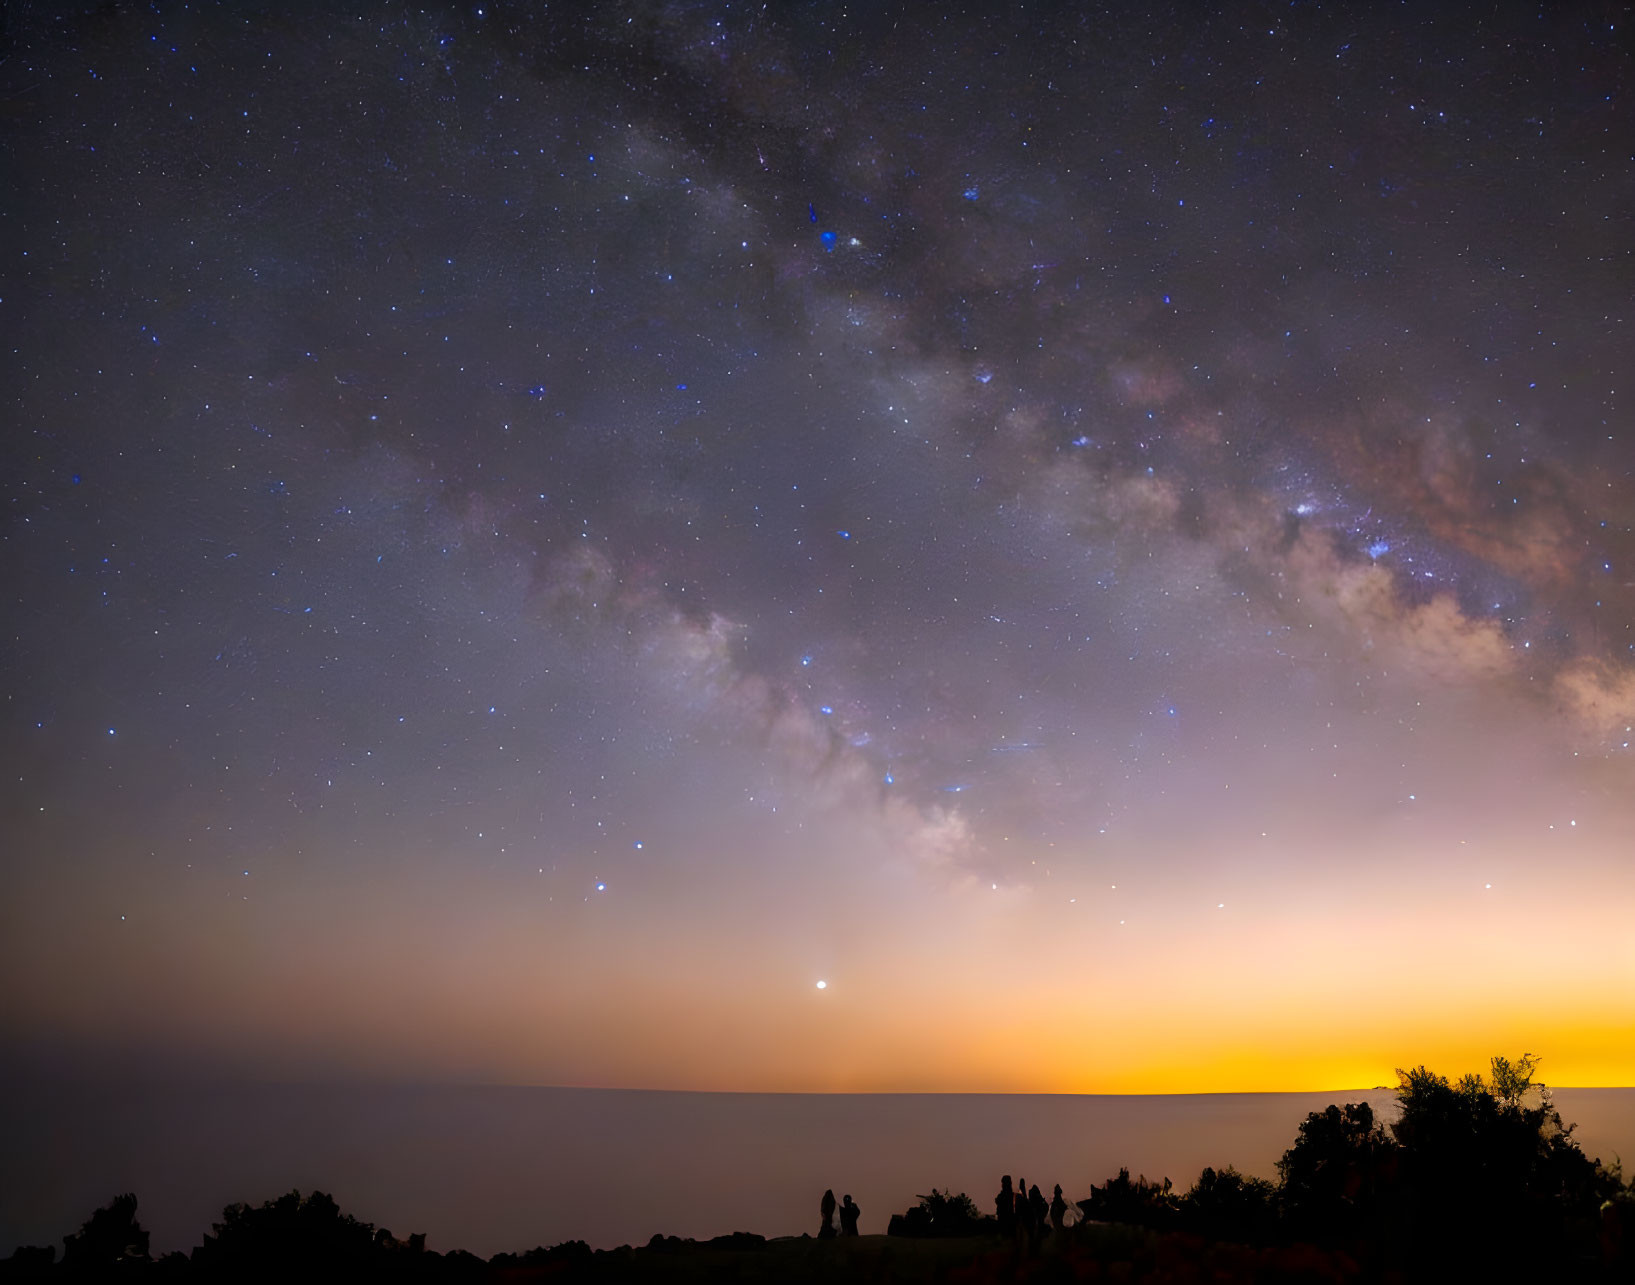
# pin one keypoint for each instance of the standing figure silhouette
(1058, 1209)
(1038, 1216)
(827, 1228)
(849, 1212)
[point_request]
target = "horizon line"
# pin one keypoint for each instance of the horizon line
(240, 1079)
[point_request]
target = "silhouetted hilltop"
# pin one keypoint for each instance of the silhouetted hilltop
(1477, 1179)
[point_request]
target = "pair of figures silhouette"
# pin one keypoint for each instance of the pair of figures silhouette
(848, 1211)
(1024, 1212)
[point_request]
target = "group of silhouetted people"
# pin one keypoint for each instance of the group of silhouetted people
(1024, 1213)
(849, 1211)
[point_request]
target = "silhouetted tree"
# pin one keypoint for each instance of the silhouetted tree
(288, 1236)
(1336, 1174)
(111, 1238)
(1491, 1173)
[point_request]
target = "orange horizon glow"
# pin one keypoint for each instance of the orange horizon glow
(1150, 1012)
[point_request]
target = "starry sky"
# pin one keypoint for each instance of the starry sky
(535, 537)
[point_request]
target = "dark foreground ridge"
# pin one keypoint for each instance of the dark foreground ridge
(1478, 1180)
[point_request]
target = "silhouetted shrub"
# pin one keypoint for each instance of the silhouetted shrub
(459, 1265)
(1227, 1205)
(737, 1240)
(1615, 1231)
(941, 1214)
(28, 1263)
(557, 1257)
(1138, 1202)
(293, 1234)
(111, 1238)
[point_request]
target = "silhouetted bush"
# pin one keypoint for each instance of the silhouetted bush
(941, 1214)
(28, 1263)
(110, 1239)
(737, 1240)
(290, 1235)
(568, 1251)
(1615, 1231)
(457, 1265)
(1227, 1205)
(1138, 1202)
(174, 1266)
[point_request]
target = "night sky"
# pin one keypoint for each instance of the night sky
(818, 547)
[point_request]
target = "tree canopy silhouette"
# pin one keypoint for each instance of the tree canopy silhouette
(108, 1239)
(287, 1235)
(1334, 1176)
(1490, 1169)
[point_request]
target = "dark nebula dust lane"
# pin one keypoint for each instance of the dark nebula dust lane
(532, 539)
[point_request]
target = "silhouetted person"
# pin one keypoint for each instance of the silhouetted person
(1058, 1209)
(1005, 1207)
(849, 1213)
(827, 1229)
(1024, 1233)
(1038, 1214)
